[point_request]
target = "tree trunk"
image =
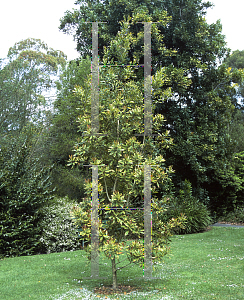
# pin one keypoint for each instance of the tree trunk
(115, 286)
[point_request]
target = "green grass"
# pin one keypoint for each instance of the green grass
(207, 265)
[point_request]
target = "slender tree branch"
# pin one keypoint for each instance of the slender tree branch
(106, 188)
(115, 184)
(122, 260)
(125, 266)
(129, 194)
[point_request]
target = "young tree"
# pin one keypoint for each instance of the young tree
(121, 156)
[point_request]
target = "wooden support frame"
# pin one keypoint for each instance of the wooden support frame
(147, 168)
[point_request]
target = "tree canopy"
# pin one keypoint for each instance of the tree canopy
(27, 73)
(198, 115)
(63, 129)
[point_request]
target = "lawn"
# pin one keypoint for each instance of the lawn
(208, 265)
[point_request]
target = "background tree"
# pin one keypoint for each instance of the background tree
(27, 77)
(235, 61)
(237, 130)
(199, 115)
(63, 129)
(28, 72)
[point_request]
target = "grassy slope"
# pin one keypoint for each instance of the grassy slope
(207, 265)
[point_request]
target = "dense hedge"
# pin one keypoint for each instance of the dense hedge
(24, 190)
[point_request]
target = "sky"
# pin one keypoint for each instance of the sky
(230, 14)
(22, 19)
(40, 19)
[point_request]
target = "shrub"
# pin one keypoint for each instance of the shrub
(24, 189)
(197, 214)
(235, 216)
(59, 232)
